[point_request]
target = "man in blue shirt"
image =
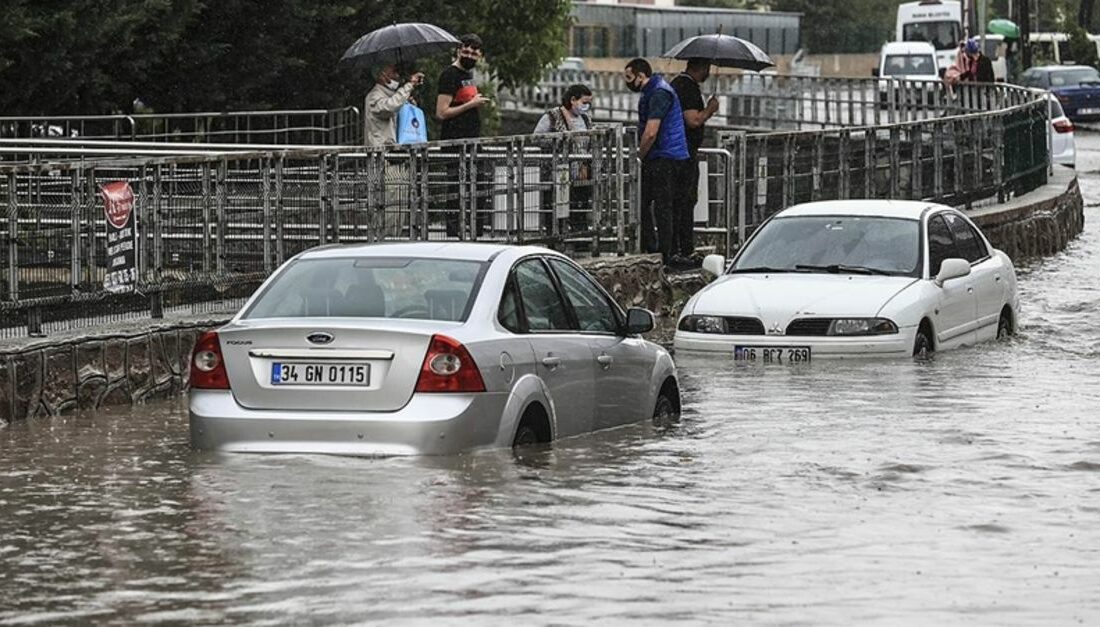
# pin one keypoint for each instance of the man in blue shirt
(663, 150)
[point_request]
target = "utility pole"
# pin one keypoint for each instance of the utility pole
(1023, 20)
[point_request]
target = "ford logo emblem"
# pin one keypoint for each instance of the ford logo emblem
(320, 338)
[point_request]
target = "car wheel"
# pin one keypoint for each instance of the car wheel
(1004, 327)
(526, 435)
(922, 345)
(664, 412)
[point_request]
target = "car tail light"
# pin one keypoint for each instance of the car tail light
(448, 367)
(1063, 126)
(207, 364)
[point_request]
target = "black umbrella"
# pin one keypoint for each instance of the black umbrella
(398, 43)
(722, 50)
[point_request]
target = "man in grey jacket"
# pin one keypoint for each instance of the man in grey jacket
(383, 102)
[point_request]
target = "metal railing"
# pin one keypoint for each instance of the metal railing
(330, 127)
(754, 101)
(212, 226)
(215, 219)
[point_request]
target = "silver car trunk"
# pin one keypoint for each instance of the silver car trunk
(393, 351)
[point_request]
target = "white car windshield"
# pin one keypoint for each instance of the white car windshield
(909, 65)
(834, 244)
(371, 287)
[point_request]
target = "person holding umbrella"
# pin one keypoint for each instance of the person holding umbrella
(383, 101)
(696, 115)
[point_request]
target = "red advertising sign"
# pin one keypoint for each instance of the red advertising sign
(118, 207)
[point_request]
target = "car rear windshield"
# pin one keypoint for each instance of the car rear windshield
(1074, 77)
(803, 243)
(372, 287)
(909, 65)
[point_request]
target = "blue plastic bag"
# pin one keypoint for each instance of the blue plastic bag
(411, 128)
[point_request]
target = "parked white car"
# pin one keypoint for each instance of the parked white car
(425, 348)
(853, 278)
(913, 62)
(1063, 147)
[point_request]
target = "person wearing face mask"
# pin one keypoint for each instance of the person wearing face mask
(663, 149)
(458, 109)
(572, 115)
(458, 103)
(383, 102)
(696, 115)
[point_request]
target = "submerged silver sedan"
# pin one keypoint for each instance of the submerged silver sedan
(425, 348)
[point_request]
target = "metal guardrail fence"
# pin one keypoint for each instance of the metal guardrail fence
(330, 127)
(772, 101)
(212, 226)
(215, 219)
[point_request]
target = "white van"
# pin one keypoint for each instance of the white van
(938, 22)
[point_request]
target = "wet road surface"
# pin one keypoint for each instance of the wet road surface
(965, 489)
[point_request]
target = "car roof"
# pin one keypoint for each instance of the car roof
(906, 209)
(464, 251)
(908, 47)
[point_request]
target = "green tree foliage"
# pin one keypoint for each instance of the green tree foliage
(96, 56)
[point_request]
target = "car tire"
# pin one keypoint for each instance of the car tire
(665, 413)
(526, 436)
(1004, 327)
(922, 344)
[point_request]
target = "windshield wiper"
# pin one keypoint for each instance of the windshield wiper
(838, 268)
(761, 269)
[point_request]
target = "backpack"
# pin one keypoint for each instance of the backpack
(411, 127)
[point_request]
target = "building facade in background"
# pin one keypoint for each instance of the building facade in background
(640, 28)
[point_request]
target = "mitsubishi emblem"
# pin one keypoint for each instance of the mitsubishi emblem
(776, 329)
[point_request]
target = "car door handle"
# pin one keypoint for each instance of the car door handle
(551, 362)
(969, 290)
(605, 361)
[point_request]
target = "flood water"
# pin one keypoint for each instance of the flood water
(965, 489)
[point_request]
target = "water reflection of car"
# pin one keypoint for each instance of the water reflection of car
(425, 348)
(1063, 148)
(913, 62)
(853, 278)
(1077, 87)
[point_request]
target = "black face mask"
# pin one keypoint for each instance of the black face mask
(634, 86)
(467, 63)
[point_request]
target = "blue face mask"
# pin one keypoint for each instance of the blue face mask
(581, 108)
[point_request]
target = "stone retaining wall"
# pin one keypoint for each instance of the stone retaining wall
(56, 375)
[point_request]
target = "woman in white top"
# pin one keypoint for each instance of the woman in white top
(572, 115)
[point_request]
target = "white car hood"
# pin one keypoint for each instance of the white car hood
(778, 298)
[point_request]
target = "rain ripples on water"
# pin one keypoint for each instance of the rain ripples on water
(961, 489)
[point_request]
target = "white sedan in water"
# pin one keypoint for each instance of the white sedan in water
(853, 278)
(425, 348)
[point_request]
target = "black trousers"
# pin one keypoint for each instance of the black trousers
(661, 184)
(684, 220)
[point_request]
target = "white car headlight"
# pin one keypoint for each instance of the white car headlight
(862, 326)
(703, 324)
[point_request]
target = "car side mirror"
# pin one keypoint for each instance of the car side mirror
(714, 264)
(639, 321)
(875, 72)
(953, 268)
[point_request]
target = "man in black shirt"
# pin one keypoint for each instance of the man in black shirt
(459, 101)
(458, 108)
(696, 115)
